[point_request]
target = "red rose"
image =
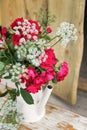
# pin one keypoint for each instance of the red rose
(50, 74)
(48, 30)
(63, 72)
(50, 61)
(31, 72)
(33, 88)
(39, 80)
(45, 76)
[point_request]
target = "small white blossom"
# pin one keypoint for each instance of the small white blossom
(25, 21)
(33, 24)
(16, 70)
(24, 33)
(66, 32)
(8, 110)
(22, 40)
(15, 28)
(28, 36)
(23, 28)
(19, 23)
(35, 62)
(31, 30)
(30, 57)
(36, 31)
(35, 37)
(17, 32)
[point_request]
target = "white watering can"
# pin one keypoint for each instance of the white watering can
(36, 111)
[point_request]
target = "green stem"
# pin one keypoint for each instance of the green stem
(53, 38)
(12, 58)
(55, 43)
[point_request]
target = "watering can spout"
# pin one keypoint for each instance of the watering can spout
(45, 97)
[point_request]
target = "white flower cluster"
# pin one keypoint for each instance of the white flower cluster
(66, 32)
(16, 71)
(8, 126)
(8, 106)
(10, 119)
(32, 52)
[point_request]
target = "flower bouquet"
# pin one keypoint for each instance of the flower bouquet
(28, 60)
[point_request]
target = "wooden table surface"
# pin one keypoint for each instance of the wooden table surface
(57, 118)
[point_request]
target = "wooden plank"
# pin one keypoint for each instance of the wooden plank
(82, 84)
(57, 118)
(68, 10)
(0, 13)
(19, 8)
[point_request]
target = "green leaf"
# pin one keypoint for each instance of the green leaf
(18, 92)
(2, 66)
(12, 94)
(47, 37)
(54, 80)
(4, 94)
(7, 77)
(26, 96)
(16, 84)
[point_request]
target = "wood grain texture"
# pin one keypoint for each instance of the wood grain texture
(83, 84)
(65, 10)
(68, 10)
(58, 119)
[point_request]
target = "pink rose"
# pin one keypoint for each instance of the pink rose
(63, 72)
(31, 72)
(50, 73)
(48, 30)
(47, 76)
(39, 80)
(1, 41)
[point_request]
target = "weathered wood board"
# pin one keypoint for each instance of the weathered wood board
(58, 119)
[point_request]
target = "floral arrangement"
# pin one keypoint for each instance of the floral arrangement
(27, 57)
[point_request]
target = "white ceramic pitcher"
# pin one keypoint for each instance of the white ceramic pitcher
(36, 111)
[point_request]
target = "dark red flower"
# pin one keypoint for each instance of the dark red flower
(15, 39)
(4, 31)
(15, 22)
(48, 30)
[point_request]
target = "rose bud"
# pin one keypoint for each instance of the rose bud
(48, 30)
